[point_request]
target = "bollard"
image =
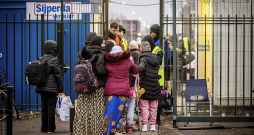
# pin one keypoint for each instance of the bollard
(72, 113)
(9, 109)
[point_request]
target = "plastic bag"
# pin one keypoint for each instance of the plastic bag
(63, 104)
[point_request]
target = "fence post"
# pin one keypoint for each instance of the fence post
(42, 34)
(161, 34)
(60, 45)
(106, 18)
(60, 36)
(9, 110)
(174, 66)
(6, 45)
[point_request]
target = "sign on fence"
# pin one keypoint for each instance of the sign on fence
(202, 47)
(53, 10)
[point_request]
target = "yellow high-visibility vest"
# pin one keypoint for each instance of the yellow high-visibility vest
(161, 71)
(125, 44)
(186, 43)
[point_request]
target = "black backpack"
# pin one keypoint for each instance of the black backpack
(36, 72)
(84, 79)
(165, 100)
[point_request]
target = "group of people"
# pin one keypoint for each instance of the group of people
(110, 108)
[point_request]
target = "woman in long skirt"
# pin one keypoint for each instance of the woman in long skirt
(90, 106)
(117, 89)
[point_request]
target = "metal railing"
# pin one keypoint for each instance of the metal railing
(223, 47)
(6, 110)
(23, 39)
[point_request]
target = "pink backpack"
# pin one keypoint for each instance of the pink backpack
(84, 79)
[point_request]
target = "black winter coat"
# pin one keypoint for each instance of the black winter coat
(54, 83)
(79, 57)
(98, 63)
(149, 79)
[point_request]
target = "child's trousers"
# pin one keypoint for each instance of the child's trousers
(130, 114)
(151, 106)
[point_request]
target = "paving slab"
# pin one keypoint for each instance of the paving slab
(32, 127)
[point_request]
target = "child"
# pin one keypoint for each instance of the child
(148, 68)
(135, 53)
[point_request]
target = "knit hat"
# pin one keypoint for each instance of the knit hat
(108, 46)
(116, 50)
(155, 28)
(145, 47)
(121, 27)
(89, 37)
(96, 40)
(150, 40)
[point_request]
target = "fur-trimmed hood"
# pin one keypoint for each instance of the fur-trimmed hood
(117, 57)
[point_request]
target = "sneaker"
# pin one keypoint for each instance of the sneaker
(129, 129)
(144, 128)
(124, 130)
(152, 128)
(135, 127)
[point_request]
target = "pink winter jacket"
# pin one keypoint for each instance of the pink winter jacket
(119, 66)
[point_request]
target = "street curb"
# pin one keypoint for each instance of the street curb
(200, 128)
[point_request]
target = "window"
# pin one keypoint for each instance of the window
(133, 27)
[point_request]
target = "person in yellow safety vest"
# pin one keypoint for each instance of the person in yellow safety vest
(124, 41)
(155, 32)
(157, 50)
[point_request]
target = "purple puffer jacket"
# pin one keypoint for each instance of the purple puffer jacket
(119, 66)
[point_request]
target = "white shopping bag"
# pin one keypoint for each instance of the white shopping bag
(63, 104)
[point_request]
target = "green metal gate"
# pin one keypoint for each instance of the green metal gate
(220, 35)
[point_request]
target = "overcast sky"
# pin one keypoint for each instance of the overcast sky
(149, 14)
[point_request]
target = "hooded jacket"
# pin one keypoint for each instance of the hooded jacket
(96, 52)
(119, 66)
(148, 72)
(54, 83)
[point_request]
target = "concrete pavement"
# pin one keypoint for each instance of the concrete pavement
(32, 127)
